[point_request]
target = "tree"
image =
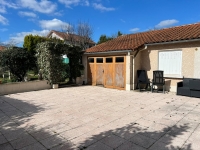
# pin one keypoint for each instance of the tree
(119, 33)
(78, 35)
(30, 43)
(17, 60)
(74, 54)
(103, 38)
(85, 31)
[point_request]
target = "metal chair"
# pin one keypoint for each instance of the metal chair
(142, 79)
(158, 79)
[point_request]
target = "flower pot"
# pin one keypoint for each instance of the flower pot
(55, 86)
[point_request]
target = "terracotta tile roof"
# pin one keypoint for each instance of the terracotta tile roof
(67, 36)
(2, 48)
(134, 41)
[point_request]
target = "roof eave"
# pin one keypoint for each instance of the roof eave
(106, 52)
(173, 42)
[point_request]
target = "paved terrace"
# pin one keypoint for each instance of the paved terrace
(96, 118)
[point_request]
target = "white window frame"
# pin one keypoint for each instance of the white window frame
(173, 63)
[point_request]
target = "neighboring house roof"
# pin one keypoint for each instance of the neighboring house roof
(134, 41)
(2, 48)
(68, 36)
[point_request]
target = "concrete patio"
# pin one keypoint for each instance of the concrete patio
(96, 118)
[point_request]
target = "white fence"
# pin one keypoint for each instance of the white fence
(11, 88)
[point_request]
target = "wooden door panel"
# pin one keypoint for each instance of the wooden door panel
(108, 75)
(91, 73)
(99, 74)
(119, 76)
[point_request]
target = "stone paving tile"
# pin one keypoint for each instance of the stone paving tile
(173, 141)
(6, 146)
(129, 146)
(166, 122)
(191, 145)
(142, 140)
(65, 147)
(53, 141)
(113, 141)
(71, 134)
(23, 141)
(144, 122)
(2, 139)
(35, 146)
(42, 134)
(82, 119)
(161, 146)
(99, 146)
(83, 141)
(127, 133)
(15, 134)
(60, 128)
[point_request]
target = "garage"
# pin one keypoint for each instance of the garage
(107, 71)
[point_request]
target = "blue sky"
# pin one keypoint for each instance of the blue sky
(21, 17)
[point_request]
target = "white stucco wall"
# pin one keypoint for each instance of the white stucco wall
(197, 63)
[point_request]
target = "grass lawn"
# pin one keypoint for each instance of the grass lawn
(31, 77)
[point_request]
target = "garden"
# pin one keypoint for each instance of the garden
(40, 58)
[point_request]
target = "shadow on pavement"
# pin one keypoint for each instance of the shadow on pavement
(20, 130)
(133, 137)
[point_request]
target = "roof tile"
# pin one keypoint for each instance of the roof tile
(134, 41)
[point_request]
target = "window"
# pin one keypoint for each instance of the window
(109, 60)
(119, 59)
(91, 60)
(171, 63)
(99, 60)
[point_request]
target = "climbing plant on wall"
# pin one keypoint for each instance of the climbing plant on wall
(50, 61)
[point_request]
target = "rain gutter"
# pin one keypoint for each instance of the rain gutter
(107, 52)
(173, 42)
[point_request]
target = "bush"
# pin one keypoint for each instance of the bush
(17, 60)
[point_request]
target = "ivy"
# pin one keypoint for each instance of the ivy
(50, 61)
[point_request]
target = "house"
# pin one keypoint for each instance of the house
(72, 39)
(2, 48)
(174, 50)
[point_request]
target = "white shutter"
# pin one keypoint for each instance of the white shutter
(170, 62)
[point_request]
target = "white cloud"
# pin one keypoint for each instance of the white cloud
(102, 8)
(52, 24)
(134, 29)
(19, 37)
(2, 9)
(87, 3)
(68, 3)
(28, 14)
(43, 6)
(3, 20)
(166, 23)
(7, 3)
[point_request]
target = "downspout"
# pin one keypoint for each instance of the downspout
(145, 47)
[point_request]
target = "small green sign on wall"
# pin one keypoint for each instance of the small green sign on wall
(65, 59)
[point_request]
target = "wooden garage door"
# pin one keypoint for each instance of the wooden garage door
(107, 71)
(91, 71)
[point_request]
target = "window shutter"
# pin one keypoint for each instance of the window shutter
(170, 62)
